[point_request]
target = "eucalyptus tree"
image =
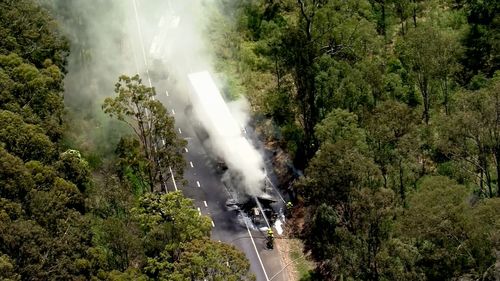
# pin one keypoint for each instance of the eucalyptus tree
(153, 126)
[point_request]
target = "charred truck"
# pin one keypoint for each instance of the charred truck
(237, 161)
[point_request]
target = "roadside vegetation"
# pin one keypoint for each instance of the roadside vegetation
(64, 216)
(390, 109)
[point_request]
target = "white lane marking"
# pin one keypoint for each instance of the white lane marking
(275, 189)
(166, 92)
(173, 179)
(251, 238)
(213, 224)
(191, 164)
(163, 142)
(180, 132)
(173, 111)
(186, 149)
(256, 251)
(199, 211)
(140, 34)
(198, 183)
(205, 203)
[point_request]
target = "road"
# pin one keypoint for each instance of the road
(210, 195)
(204, 183)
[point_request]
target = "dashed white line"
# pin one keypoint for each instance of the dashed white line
(166, 92)
(213, 224)
(180, 132)
(198, 183)
(186, 149)
(191, 164)
(173, 111)
(205, 203)
(199, 211)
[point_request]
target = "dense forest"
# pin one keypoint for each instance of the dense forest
(63, 218)
(391, 110)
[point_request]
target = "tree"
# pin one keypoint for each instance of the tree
(391, 137)
(430, 55)
(73, 167)
(14, 133)
(15, 181)
(451, 238)
(35, 37)
(148, 118)
(204, 259)
(355, 242)
(167, 220)
(471, 134)
(121, 240)
(482, 41)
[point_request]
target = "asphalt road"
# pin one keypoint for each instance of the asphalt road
(210, 195)
(204, 184)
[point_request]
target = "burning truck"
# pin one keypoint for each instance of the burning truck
(238, 162)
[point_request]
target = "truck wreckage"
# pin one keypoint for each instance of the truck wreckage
(215, 126)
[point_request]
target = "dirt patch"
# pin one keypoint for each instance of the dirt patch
(284, 248)
(297, 265)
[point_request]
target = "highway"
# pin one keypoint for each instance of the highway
(210, 195)
(204, 183)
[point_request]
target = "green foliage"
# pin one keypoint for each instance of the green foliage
(35, 37)
(33, 93)
(447, 230)
(73, 167)
(482, 41)
(15, 133)
(205, 259)
(168, 220)
(176, 242)
(14, 177)
(429, 64)
(161, 148)
(347, 85)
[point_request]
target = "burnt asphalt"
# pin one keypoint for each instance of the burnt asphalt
(211, 196)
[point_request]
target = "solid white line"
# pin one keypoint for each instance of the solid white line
(173, 179)
(198, 183)
(205, 203)
(191, 163)
(140, 34)
(173, 111)
(251, 238)
(257, 252)
(275, 189)
(180, 132)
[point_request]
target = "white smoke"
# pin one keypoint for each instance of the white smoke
(160, 37)
(227, 135)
